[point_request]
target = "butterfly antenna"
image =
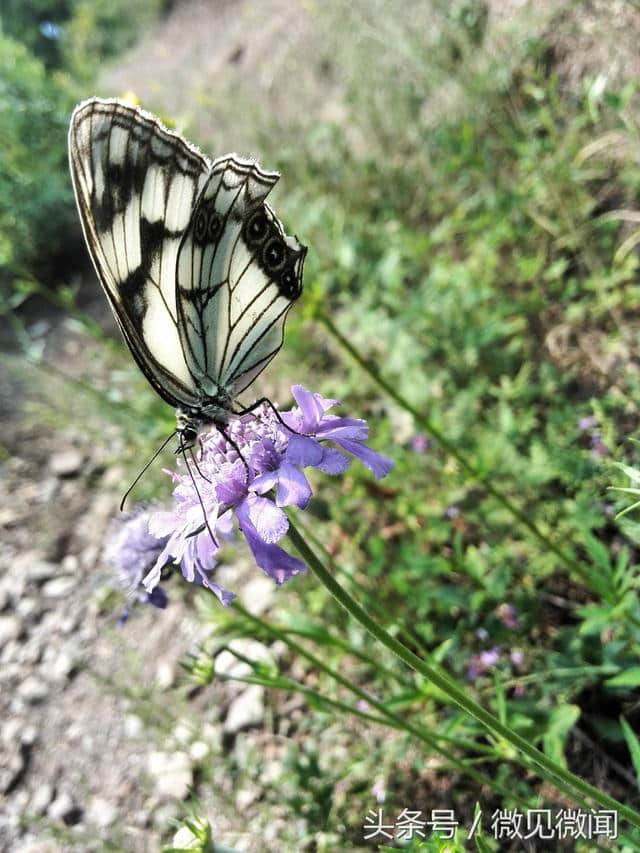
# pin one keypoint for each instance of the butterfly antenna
(182, 450)
(153, 458)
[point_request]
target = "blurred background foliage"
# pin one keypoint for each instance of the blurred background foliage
(469, 192)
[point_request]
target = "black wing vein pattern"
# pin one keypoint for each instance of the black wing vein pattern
(195, 264)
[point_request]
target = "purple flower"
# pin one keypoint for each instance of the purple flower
(508, 615)
(598, 447)
(587, 422)
(420, 443)
(132, 550)
(479, 664)
(254, 489)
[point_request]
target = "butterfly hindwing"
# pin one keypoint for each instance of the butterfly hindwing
(196, 266)
(136, 185)
(237, 276)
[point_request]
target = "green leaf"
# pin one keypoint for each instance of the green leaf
(628, 678)
(634, 746)
(560, 723)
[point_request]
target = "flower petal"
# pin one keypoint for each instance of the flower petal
(272, 559)
(293, 487)
(269, 521)
(303, 451)
(377, 464)
(333, 462)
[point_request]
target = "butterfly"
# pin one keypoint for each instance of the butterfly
(196, 266)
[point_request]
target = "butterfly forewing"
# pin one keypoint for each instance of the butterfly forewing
(136, 185)
(229, 296)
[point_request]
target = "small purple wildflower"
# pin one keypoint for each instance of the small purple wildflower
(379, 791)
(480, 663)
(587, 422)
(255, 488)
(598, 447)
(508, 615)
(132, 550)
(420, 443)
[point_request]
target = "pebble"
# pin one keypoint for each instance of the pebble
(133, 726)
(10, 628)
(28, 609)
(41, 570)
(10, 731)
(41, 799)
(66, 463)
(165, 675)
(199, 750)
(226, 663)
(33, 690)
(101, 812)
(59, 587)
(172, 774)
(62, 808)
(61, 667)
(11, 768)
(246, 710)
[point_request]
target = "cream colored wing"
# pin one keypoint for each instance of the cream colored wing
(237, 276)
(136, 185)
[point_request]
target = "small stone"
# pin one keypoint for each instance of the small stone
(33, 690)
(59, 587)
(133, 726)
(39, 847)
(66, 463)
(199, 750)
(10, 732)
(41, 571)
(10, 629)
(165, 675)
(40, 799)
(172, 774)
(11, 769)
(246, 710)
(28, 608)
(101, 812)
(28, 735)
(226, 663)
(60, 668)
(70, 564)
(245, 797)
(258, 594)
(64, 809)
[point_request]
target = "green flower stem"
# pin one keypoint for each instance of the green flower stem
(474, 472)
(390, 717)
(547, 768)
(412, 639)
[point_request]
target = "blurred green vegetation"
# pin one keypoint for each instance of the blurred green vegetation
(50, 53)
(480, 254)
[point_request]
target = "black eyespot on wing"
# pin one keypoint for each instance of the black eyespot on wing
(256, 228)
(200, 227)
(215, 225)
(290, 283)
(274, 255)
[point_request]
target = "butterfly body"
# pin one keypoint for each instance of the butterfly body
(196, 266)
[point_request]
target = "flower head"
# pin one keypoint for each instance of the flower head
(250, 472)
(131, 549)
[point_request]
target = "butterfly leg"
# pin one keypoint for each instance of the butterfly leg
(248, 409)
(233, 444)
